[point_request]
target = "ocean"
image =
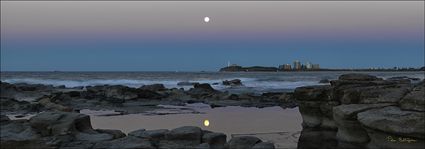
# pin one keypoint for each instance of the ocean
(257, 82)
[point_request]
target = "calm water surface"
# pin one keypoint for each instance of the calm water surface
(281, 126)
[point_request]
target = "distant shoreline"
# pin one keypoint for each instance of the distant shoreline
(275, 69)
(321, 70)
(324, 70)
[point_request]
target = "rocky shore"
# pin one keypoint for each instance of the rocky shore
(58, 123)
(363, 111)
(68, 130)
(30, 98)
(354, 111)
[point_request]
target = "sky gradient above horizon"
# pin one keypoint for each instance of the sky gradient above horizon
(172, 36)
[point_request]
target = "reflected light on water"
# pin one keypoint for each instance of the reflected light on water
(206, 123)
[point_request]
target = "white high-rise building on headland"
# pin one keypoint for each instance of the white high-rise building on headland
(308, 65)
(297, 65)
(316, 66)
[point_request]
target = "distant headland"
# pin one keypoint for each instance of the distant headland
(297, 66)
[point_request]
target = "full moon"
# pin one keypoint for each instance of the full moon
(206, 123)
(207, 19)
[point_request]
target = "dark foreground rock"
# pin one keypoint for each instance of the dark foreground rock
(27, 98)
(407, 128)
(153, 87)
(12, 105)
(313, 138)
(73, 130)
(414, 100)
(24, 92)
(362, 111)
(234, 82)
(324, 81)
(349, 128)
(187, 83)
(243, 142)
(52, 130)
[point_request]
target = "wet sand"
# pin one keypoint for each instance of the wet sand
(281, 126)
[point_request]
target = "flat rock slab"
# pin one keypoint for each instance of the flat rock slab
(244, 142)
(393, 120)
(128, 142)
(60, 123)
(358, 77)
(149, 134)
(313, 93)
(350, 111)
(415, 100)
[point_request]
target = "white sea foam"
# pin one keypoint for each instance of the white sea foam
(92, 82)
(75, 83)
(257, 82)
(279, 84)
(248, 83)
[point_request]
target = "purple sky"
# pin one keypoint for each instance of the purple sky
(144, 36)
